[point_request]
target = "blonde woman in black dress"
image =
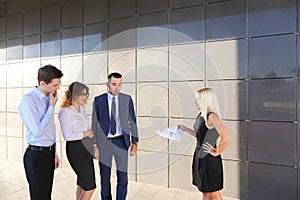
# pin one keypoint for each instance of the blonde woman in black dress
(207, 162)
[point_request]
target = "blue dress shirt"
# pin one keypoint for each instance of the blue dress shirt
(38, 118)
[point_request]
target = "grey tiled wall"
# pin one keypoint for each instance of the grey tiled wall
(247, 50)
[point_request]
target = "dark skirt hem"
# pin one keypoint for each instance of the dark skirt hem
(213, 190)
(87, 188)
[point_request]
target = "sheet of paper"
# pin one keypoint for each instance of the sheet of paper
(172, 133)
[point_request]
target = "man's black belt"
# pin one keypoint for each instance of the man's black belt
(115, 138)
(40, 148)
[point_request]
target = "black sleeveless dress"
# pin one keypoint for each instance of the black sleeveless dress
(207, 169)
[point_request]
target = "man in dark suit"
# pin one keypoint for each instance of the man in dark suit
(115, 130)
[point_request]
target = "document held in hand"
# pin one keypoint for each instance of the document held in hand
(172, 133)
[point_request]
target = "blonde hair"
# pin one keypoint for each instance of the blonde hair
(208, 102)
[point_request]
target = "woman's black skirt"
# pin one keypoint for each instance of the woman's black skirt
(82, 163)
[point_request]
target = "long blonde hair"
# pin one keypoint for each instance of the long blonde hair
(208, 102)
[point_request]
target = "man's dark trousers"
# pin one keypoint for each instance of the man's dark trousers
(39, 169)
(118, 150)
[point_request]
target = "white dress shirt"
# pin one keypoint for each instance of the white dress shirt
(73, 123)
(118, 129)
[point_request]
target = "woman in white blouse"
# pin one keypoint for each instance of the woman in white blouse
(75, 126)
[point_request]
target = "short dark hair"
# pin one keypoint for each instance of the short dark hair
(47, 73)
(114, 75)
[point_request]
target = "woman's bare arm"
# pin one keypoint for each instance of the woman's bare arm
(216, 122)
(188, 130)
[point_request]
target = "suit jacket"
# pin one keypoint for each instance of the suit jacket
(101, 120)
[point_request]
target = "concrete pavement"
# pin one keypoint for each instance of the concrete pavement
(13, 186)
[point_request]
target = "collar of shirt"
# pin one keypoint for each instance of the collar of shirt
(82, 109)
(39, 93)
(110, 96)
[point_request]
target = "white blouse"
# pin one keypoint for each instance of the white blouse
(73, 123)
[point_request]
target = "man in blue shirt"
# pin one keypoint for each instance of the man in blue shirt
(37, 112)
